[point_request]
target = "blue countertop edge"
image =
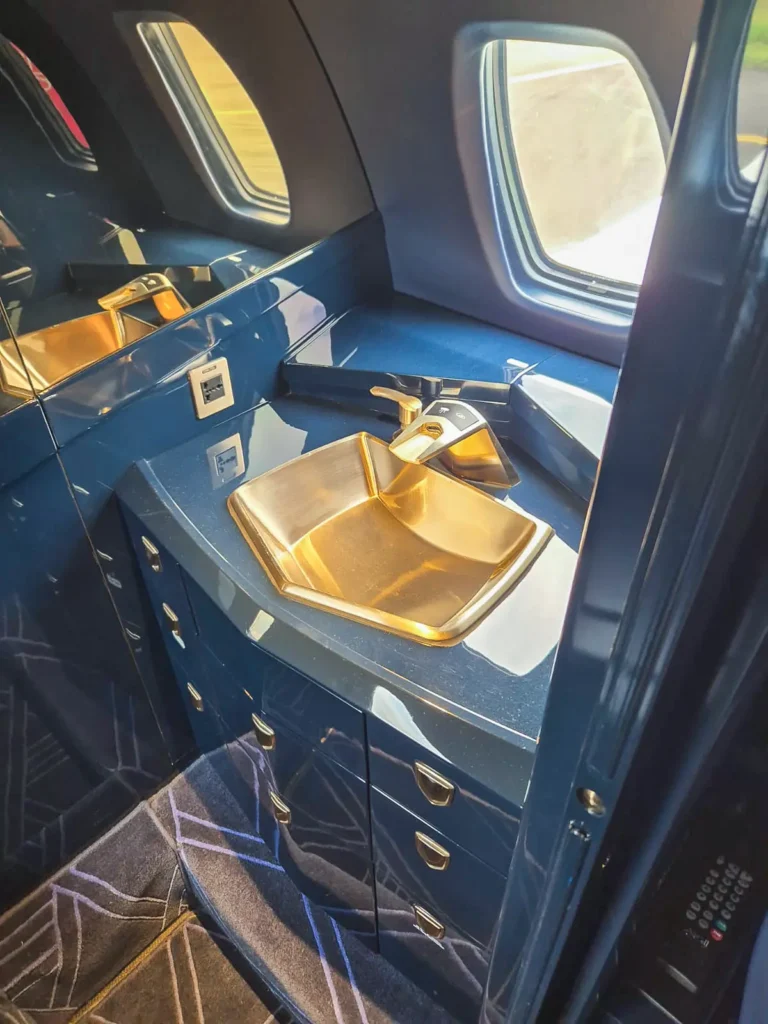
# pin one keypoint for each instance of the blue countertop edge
(170, 495)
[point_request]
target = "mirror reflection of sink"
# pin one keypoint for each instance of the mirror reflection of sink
(54, 353)
(352, 529)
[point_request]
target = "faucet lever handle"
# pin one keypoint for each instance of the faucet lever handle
(409, 407)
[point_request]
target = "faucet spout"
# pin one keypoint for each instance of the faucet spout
(456, 435)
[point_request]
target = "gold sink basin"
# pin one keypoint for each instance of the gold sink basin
(54, 353)
(352, 529)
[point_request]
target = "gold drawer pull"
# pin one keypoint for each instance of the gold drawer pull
(197, 700)
(435, 787)
(427, 924)
(281, 809)
(433, 854)
(153, 555)
(173, 623)
(265, 734)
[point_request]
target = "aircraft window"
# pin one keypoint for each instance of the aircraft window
(584, 158)
(753, 90)
(231, 136)
(53, 115)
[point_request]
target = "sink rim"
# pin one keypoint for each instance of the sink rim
(452, 630)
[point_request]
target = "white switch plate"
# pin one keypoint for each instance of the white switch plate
(211, 388)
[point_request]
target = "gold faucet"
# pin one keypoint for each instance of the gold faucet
(453, 433)
(169, 302)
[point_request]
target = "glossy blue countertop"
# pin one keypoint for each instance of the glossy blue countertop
(493, 683)
(554, 405)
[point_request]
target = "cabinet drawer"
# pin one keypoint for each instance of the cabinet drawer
(242, 659)
(164, 583)
(430, 870)
(281, 695)
(308, 709)
(314, 816)
(457, 806)
(196, 690)
(446, 949)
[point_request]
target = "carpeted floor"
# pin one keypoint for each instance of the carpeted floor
(62, 944)
(194, 843)
(185, 978)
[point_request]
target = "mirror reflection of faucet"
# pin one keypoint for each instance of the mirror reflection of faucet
(454, 434)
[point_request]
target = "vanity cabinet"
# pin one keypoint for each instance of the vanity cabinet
(399, 845)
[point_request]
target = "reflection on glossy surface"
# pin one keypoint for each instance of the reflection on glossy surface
(55, 353)
(351, 529)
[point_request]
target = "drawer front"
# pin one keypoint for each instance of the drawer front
(308, 709)
(242, 659)
(427, 868)
(437, 947)
(196, 690)
(163, 580)
(313, 814)
(285, 697)
(477, 819)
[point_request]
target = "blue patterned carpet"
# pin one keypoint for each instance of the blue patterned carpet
(194, 844)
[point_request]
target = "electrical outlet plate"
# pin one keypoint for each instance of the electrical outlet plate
(211, 388)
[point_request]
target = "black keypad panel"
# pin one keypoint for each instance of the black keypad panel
(712, 910)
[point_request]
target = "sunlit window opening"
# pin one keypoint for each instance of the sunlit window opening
(233, 111)
(589, 155)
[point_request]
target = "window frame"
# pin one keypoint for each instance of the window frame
(605, 293)
(16, 66)
(222, 169)
(558, 310)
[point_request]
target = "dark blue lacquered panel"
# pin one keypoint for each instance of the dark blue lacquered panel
(326, 845)
(162, 578)
(317, 714)
(451, 969)
(241, 679)
(258, 682)
(461, 891)
(194, 677)
(476, 818)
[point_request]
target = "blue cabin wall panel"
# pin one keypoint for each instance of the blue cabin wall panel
(78, 735)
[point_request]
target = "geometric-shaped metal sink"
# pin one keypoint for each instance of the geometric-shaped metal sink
(352, 529)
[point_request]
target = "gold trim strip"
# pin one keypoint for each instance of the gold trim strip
(137, 961)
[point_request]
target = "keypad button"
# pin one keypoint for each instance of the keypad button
(695, 905)
(725, 914)
(720, 860)
(707, 914)
(735, 898)
(746, 878)
(713, 873)
(718, 897)
(705, 889)
(728, 881)
(721, 926)
(738, 891)
(703, 923)
(722, 888)
(714, 905)
(715, 935)
(730, 905)
(734, 867)
(690, 914)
